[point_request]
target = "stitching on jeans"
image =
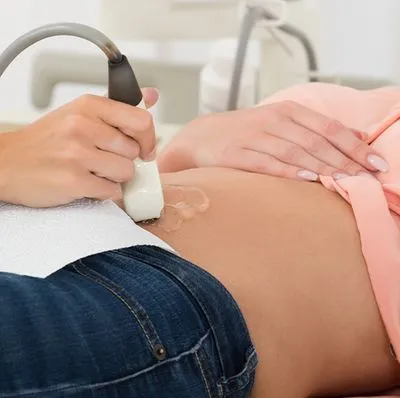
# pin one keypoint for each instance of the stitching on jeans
(250, 366)
(161, 262)
(169, 257)
(98, 386)
(206, 366)
(115, 293)
(203, 374)
(241, 380)
(204, 358)
(161, 266)
(188, 286)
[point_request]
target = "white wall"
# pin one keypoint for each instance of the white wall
(360, 37)
(352, 36)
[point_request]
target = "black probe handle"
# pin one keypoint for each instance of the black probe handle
(122, 83)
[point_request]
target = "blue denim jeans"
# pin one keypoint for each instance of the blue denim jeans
(138, 322)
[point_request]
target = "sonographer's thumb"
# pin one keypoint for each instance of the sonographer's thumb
(150, 96)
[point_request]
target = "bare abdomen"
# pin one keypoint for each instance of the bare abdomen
(289, 253)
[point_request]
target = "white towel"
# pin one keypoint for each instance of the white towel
(38, 242)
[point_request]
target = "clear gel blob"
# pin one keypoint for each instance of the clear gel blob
(182, 204)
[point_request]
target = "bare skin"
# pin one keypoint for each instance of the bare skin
(290, 254)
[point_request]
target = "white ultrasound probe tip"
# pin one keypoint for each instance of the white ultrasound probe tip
(143, 195)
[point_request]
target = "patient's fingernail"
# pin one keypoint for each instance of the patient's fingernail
(307, 175)
(379, 163)
(340, 176)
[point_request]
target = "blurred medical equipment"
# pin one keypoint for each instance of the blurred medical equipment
(228, 82)
(255, 12)
(216, 79)
(170, 41)
(143, 196)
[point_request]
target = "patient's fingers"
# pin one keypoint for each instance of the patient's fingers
(293, 154)
(263, 163)
(318, 147)
(340, 137)
(360, 135)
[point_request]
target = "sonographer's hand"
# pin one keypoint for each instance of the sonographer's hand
(283, 139)
(84, 149)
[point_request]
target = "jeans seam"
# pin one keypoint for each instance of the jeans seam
(113, 290)
(203, 375)
(236, 382)
(98, 386)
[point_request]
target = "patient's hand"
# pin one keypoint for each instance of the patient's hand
(283, 139)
